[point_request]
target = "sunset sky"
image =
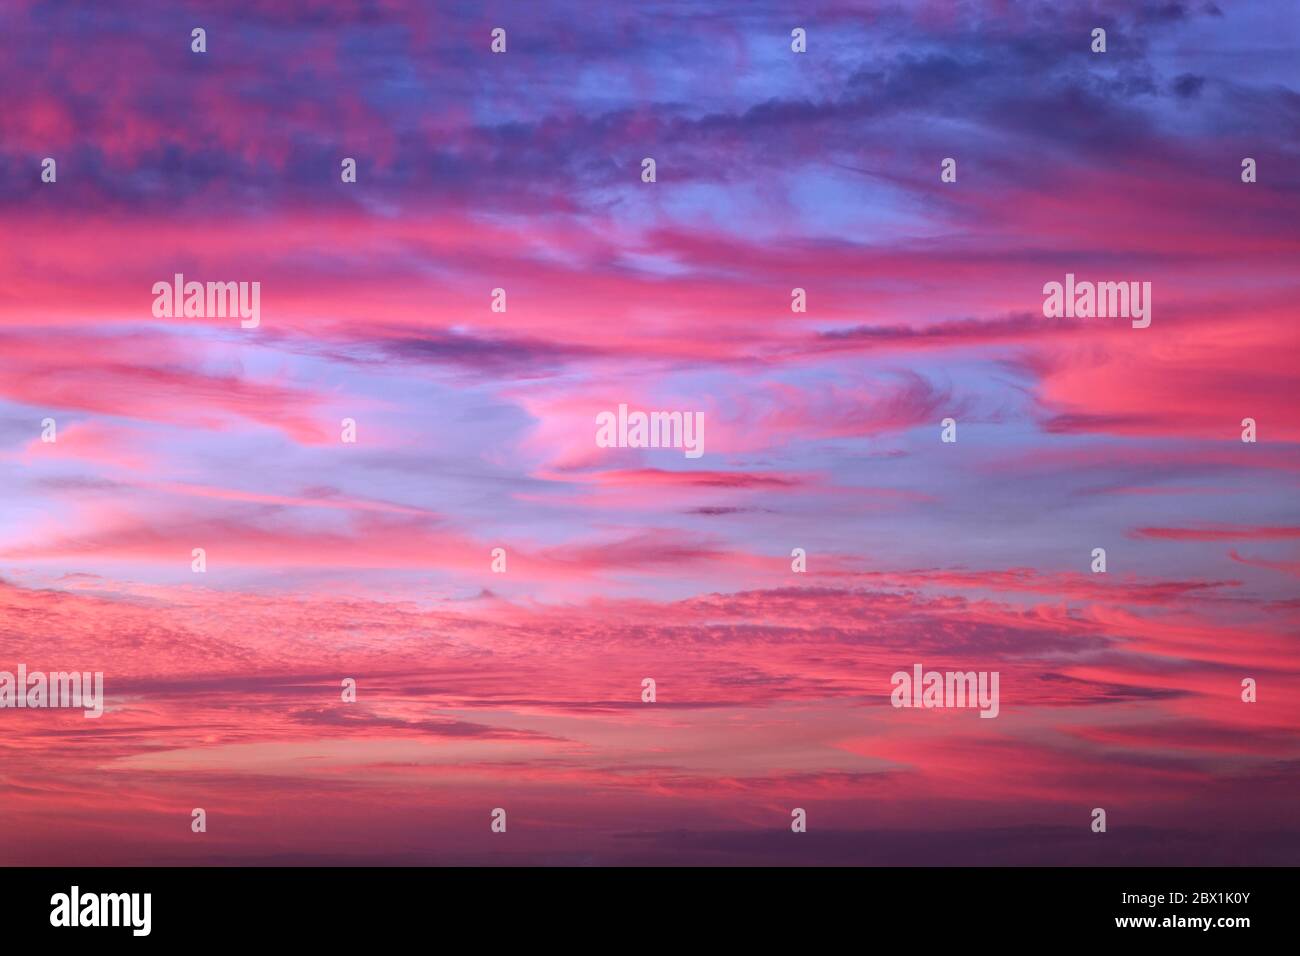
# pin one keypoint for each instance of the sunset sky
(475, 430)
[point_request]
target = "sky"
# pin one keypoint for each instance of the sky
(522, 689)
